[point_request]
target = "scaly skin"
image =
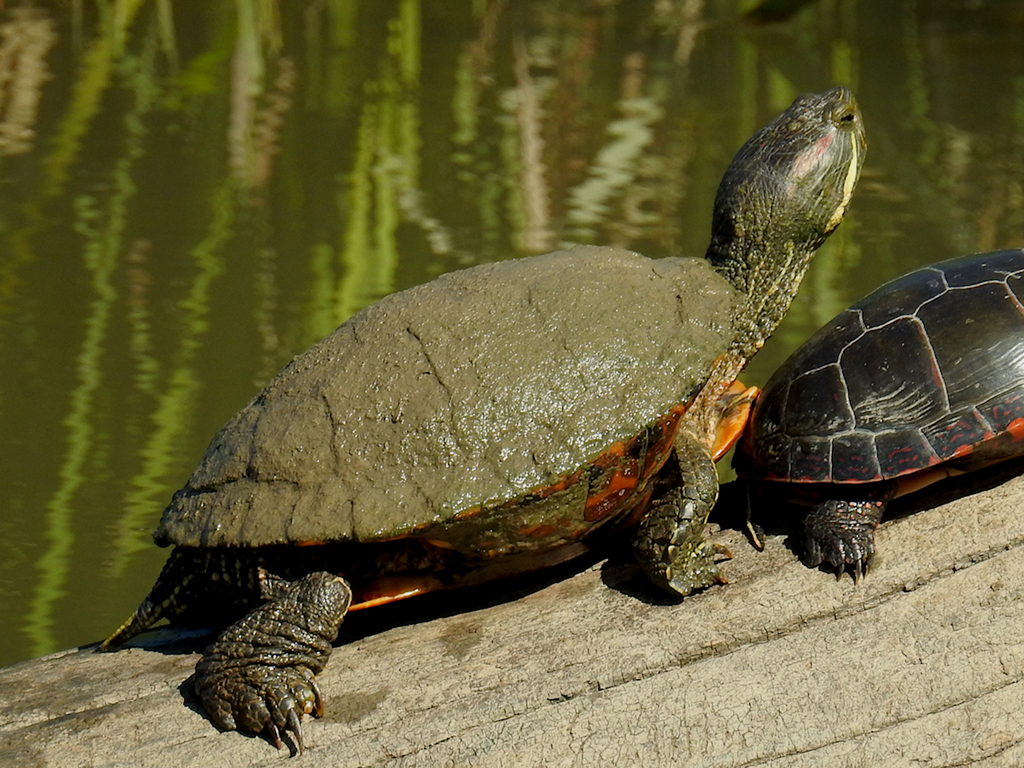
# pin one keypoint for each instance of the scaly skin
(669, 543)
(203, 583)
(259, 674)
(841, 532)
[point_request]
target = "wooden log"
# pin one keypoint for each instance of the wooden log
(920, 664)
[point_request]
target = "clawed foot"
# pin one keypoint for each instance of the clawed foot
(259, 674)
(671, 546)
(260, 698)
(842, 534)
(694, 565)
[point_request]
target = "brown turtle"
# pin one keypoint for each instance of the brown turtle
(493, 421)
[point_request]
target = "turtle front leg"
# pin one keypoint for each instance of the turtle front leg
(259, 674)
(670, 543)
(841, 532)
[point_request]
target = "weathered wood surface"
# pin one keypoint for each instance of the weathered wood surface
(921, 664)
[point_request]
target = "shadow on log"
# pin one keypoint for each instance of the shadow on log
(922, 664)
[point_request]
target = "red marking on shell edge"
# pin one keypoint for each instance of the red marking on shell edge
(1016, 428)
(616, 449)
(466, 514)
(625, 475)
(605, 503)
(666, 427)
(536, 494)
(963, 450)
(558, 485)
(623, 471)
(540, 530)
(904, 459)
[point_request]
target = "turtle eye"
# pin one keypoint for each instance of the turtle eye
(845, 114)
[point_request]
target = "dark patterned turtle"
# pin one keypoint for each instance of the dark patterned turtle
(493, 421)
(921, 380)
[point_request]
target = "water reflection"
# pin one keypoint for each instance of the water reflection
(192, 193)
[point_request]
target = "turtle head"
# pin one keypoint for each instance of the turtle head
(785, 191)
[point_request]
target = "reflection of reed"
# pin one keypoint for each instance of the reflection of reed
(476, 67)
(102, 225)
(255, 123)
(169, 418)
(270, 119)
(24, 42)
(140, 342)
(95, 66)
(385, 170)
(82, 437)
(255, 126)
(985, 180)
(690, 23)
(536, 234)
(263, 315)
(615, 167)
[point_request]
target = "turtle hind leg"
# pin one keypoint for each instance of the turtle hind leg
(670, 543)
(841, 532)
(191, 581)
(259, 674)
(177, 575)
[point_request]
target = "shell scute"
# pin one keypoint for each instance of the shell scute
(929, 368)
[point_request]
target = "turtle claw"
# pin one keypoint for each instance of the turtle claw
(295, 726)
(286, 708)
(293, 723)
(318, 698)
(274, 733)
(695, 571)
(259, 698)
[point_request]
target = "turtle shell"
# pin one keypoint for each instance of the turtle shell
(547, 386)
(927, 369)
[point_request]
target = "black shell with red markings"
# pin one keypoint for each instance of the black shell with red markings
(928, 368)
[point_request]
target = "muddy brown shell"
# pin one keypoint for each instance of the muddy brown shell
(481, 389)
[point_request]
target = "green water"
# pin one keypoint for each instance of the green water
(191, 193)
